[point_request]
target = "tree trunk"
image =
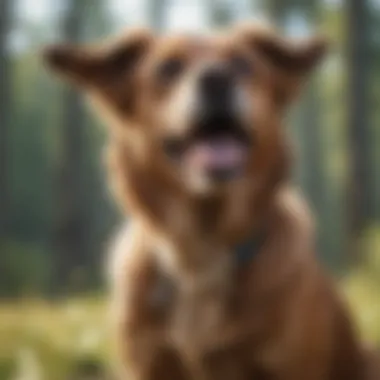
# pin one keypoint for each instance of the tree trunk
(70, 229)
(375, 114)
(277, 10)
(314, 175)
(359, 197)
(220, 13)
(157, 14)
(5, 106)
(98, 21)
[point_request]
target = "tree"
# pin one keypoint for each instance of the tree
(277, 10)
(5, 113)
(300, 18)
(310, 131)
(360, 196)
(98, 21)
(220, 12)
(375, 114)
(98, 215)
(157, 14)
(69, 232)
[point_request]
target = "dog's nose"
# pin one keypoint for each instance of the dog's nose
(215, 80)
(216, 86)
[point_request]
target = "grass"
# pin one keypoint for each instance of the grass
(68, 340)
(363, 296)
(61, 341)
(362, 287)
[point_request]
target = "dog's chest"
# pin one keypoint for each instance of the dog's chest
(196, 318)
(199, 320)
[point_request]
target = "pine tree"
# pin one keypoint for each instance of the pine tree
(5, 112)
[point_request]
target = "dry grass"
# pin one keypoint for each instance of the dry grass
(68, 340)
(39, 340)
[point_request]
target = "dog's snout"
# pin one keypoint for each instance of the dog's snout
(216, 80)
(216, 86)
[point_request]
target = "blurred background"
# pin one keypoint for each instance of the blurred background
(55, 213)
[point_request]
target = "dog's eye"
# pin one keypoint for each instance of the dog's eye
(170, 69)
(241, 66)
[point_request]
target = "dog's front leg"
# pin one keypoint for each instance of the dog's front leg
(141, 344)
(138, 320)
(145, 358)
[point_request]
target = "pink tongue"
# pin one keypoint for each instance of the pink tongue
(221, 153)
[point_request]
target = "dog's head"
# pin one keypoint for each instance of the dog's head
(208, 107)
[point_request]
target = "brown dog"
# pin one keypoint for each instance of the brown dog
(216, 276)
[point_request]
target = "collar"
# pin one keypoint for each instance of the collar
(247, 250)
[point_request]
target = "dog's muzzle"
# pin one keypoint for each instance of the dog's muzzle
(217, 144)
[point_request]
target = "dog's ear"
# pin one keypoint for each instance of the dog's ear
(292, 59)
(107, 71)
(289, 55)
(92, 66)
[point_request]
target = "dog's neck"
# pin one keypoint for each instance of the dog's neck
(201, 237)
(194, 232)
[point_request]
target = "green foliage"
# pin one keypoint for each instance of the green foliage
(371, 262)
(8, 367)
(26, 258)
(24, 269)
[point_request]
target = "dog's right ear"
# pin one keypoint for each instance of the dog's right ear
(291, 61)
(93, 66)
(289, 56)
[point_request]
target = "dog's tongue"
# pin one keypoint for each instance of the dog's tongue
(217, 154)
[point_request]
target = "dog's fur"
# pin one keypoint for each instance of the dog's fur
(184, 309)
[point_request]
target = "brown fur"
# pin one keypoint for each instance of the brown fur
(182, 309)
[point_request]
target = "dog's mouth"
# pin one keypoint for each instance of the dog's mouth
(217, 147)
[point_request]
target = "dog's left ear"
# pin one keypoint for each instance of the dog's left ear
(293, 60)
(108, 69)
(90, 66)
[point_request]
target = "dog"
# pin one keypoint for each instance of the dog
(215, 276)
